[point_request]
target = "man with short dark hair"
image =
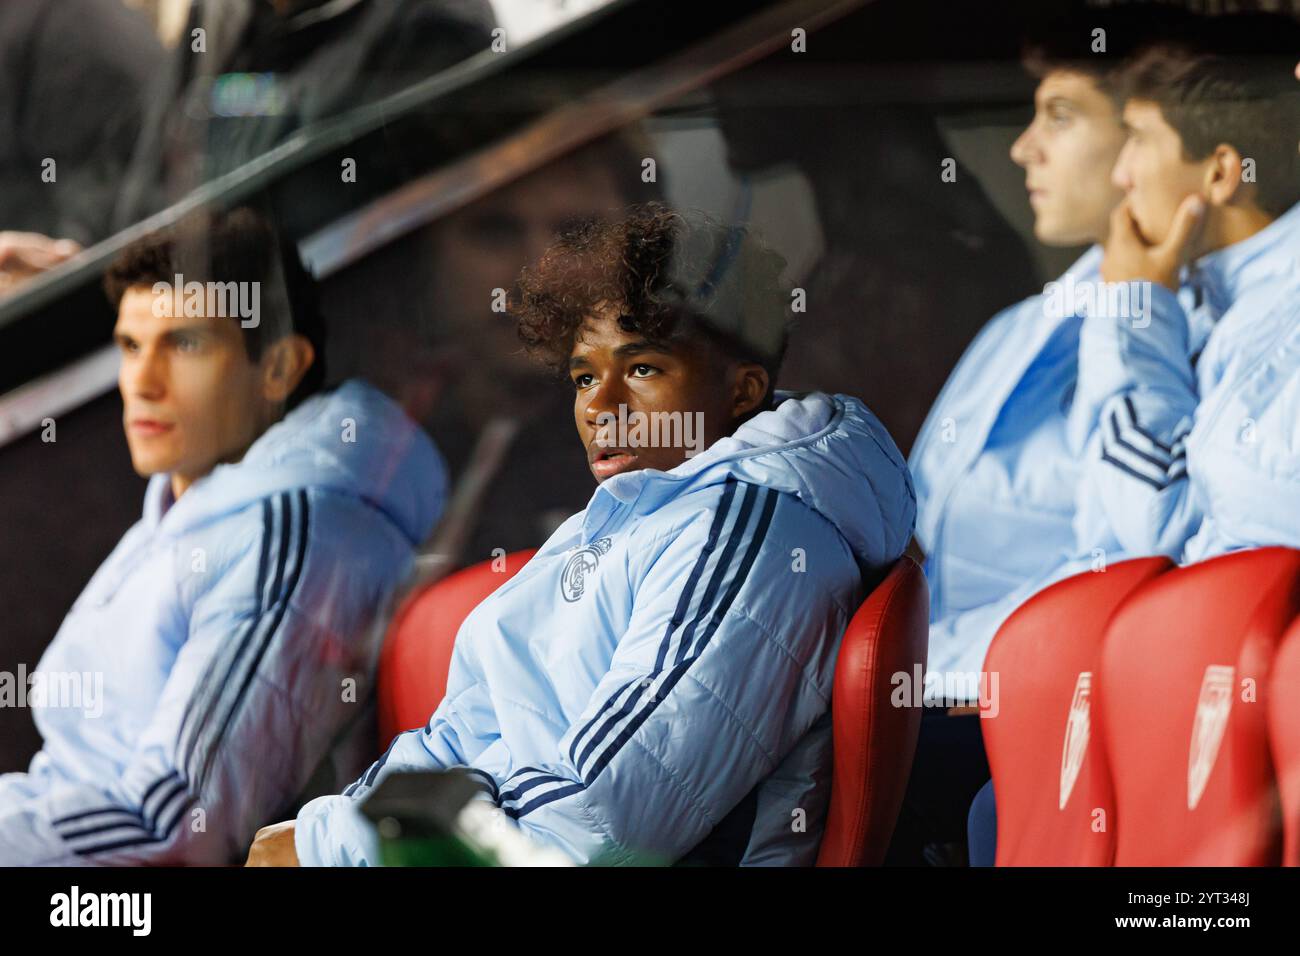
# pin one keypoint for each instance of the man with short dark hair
(217, 659)
(998, 463)
(1196, 451)
(655, 683)
(1210, 227)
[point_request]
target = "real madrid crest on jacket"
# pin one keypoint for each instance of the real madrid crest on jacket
(584, 562)
(655, 683)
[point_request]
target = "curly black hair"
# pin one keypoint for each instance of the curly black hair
(674, 278)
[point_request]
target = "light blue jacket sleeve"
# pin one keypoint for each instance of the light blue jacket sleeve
(1245, 451)
(1136, 382)
(330, 830)
(726, 663)
(259, 689)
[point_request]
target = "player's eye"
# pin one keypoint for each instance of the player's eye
(1059, 118)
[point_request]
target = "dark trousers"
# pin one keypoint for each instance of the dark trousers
(982, 827)
(947, 772)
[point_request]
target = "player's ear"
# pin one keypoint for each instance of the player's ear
(748, 388)
(284, 363)
(1222, 180)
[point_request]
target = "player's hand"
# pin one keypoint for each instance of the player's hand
(1129, 257)
(25, 254)
(273, 846)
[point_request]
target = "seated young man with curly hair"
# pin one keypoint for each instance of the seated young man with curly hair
(655, 683)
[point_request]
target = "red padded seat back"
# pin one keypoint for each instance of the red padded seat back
(1050, 778)
(1284, 738)
(413, 665)
(1184, 687)
(873, 740)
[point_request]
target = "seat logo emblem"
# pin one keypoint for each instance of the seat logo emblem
(1212, 709)
(1077, 728)
(584, 562)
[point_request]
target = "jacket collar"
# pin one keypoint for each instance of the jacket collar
(1218, 278)
(157, 500)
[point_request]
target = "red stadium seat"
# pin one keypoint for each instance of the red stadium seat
(873, 740)
(1284, 738)
(1050, 779)
(1183, 692)
(413, 665)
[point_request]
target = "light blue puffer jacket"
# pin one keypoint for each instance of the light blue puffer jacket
(212, 661)
(657, 679)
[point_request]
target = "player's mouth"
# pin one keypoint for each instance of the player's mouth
(609, 461)
(149, 427)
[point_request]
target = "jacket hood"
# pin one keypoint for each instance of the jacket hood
(829, 451)
(352, 440)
